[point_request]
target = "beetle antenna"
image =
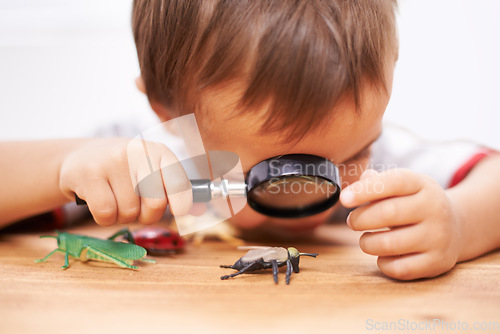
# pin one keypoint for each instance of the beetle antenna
(309, 254)
(48, 236)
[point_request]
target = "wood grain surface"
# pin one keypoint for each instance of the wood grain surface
(341, 291)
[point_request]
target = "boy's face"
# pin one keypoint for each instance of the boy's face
(344, 139)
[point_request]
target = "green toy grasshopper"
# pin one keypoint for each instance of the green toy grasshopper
(87, 248)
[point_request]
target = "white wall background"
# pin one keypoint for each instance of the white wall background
(68, 66)
(447, 82)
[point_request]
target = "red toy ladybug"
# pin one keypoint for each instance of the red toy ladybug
(156, 240)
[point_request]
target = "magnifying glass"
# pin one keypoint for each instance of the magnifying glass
(286, 186)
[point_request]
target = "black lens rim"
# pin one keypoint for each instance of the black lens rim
(292, 165)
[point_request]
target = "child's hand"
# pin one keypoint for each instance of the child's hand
(104, 172)
(424, 235)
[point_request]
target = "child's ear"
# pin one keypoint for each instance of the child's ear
(161, 111)
(139, 83)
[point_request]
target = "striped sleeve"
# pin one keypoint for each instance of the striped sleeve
(448, 162)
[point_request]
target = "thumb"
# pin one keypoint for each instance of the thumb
(368, 173)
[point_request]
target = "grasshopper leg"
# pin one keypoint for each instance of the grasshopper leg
(275, 270)
(89, 249)
(66, 261)
(48, 255)
(148, 260)
(126, 234)
(288, 271)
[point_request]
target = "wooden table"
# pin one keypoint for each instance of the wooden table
(341, 291)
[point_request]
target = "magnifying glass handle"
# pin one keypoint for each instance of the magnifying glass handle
(204, 190)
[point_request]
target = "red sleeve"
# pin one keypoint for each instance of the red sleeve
(463, 170)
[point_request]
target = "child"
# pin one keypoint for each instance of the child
(267, 78)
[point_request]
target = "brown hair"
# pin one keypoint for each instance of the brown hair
(298, 57)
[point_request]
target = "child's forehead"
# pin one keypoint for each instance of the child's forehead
(338, 138)
(221, 107)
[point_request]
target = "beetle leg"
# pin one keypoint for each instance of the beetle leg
(226, 266)
(106, 257)
(275, 270)
(248, 267)
(288, 271)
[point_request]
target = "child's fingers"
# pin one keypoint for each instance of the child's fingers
(153, 205)
(398, 241)
(368, 173)
(128, 202)
(198, 209)
(152, 210)
(394, 182)
(396, 211)
(100, 201)
(145, 163)
(159, 175)
(412, 266)
(151, 189)
(177, 184)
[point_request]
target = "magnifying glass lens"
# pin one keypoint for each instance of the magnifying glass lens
(297, 192)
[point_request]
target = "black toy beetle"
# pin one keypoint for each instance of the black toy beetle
(259, 257)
